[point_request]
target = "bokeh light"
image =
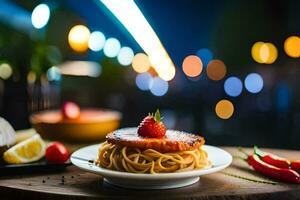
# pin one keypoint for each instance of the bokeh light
(80, 68)
(254, 83)
(264, 52)
(79, 37)
(292, 46)
(158, 86)
(5, 71)
(112, 47)
(272, 53)
(224, 109)
(96, 41)
(128, 13)
(233, 86)
(31, 77)
(143, 81)
(140, 63)
(53, 74)
(167, 71)
(255, 52)
(163, 65)
(205, 55)
(40, 16)
(192, 66)
(125, 56)
(216, 70)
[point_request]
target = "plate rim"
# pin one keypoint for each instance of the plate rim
(159, 176)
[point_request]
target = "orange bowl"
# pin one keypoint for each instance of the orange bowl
(92, 125)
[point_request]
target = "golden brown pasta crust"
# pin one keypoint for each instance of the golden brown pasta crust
(172, 142)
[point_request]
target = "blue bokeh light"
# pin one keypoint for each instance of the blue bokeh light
(159, 87)
(143, 81)
(112, 47)
(205, 55)
(53, 74)
(233, 86)
(254, 83)
(125, 56)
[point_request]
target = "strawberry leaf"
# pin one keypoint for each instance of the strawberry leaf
(157, 116)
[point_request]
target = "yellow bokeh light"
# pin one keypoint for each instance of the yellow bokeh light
(224, 109)
(264, 52)
(216, 70)
(255, 51)
(31, 77)
(140, 63)
(192, 66)
(5, 71)
(292, 46)
(273, 53)
(78, 38)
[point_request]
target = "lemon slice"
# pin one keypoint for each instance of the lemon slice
(29, 150)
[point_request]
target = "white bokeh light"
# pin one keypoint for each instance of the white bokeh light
(40, 16)
(112, 47)
(125, 56)
(96, 41)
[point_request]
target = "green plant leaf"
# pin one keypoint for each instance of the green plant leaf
(157, 117)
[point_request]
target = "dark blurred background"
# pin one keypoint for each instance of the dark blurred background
(266, 106)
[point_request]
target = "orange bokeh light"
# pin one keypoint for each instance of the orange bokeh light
(192, 66)
(216, 70)
(141, 63)
(292, 46)
(224, 109)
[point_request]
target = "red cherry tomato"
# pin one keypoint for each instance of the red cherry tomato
(56, 152)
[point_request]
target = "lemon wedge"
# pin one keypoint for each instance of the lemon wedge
(29, 150)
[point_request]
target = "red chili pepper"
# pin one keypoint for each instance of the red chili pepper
(295, 165)
(282, 174)
(278, 161)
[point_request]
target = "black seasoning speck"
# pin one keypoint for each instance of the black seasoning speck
(29, 184)
(63, 176)
(72, 176)
(48, 177)
(43, 181)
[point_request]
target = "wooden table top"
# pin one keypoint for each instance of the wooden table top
(74, 183)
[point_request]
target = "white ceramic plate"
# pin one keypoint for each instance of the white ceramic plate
(220, 159)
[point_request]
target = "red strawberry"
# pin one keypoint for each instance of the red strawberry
(152, 126)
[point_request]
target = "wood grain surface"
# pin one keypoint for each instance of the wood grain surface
(77, 184)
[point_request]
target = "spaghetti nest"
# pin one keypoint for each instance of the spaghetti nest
(122, 158)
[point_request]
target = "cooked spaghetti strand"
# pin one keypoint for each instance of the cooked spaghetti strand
(134, 160)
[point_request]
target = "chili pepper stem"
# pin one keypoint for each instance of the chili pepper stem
(258, 152)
